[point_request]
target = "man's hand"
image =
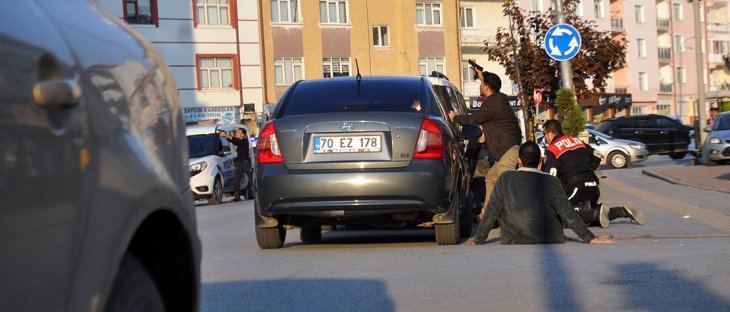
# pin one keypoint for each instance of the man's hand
(478, 73)
(471, 242)
(451, 115)
(601, 240)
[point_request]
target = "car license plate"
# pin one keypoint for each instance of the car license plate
(348, 144)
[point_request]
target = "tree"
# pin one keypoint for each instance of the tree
(519, 50)
(573, 120)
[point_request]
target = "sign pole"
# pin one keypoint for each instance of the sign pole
(566, 69)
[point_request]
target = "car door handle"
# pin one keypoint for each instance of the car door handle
(61, 93)
(639, 132)
(664, 132)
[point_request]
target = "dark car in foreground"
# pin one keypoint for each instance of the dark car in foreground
(96, 210)
(661, 135)
(352, 151)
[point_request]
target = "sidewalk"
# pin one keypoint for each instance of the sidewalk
(713, 178)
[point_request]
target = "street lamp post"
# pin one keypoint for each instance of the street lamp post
(680, 80)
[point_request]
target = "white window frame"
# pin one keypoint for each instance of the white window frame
(643, 81)
(679, 43)
(207, 73)
(293, 66)
(639, 14)
(204, 19)
(664, 109)
(641, 47)
(463, 21)
(338, 12)
(579, 9)
(598, 6)
(430, 64)
(637, 110)
(681, 74)
(342, 61)
(536, 5)
(467, 72)
(677, 12)
(720, 46)
(276, 13)
(378, 33)
(424, 9)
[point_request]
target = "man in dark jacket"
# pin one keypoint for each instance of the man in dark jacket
(530, 205)
(500, 126)
(242, 161)
(574, 163)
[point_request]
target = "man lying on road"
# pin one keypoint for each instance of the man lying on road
(529, 205)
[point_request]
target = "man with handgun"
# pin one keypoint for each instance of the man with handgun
(242, 161)
(501, 127)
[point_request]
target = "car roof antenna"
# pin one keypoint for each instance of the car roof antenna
(358, 77)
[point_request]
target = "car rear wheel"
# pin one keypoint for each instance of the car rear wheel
(134, 289)
(311, 234)
(447, 234)
(217, 196)
(270, 238)
(618, 160)
(677, 156)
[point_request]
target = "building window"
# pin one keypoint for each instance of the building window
(140, 12)
(536, 5)
(579, 8)
(637, 110)
(336, 66)
(641, 47)
(380, 36)
(663, 109)
(333, 12)
(598, 7)
(677, 11)
(467, 72)
(212, 12)
(288, 70)
(466, 17)
(720, 47)
(428, 64)
(643, 82)
(216, 72)
(681, 75)
(679, 43)
(639, 14)
(428, 14)
(285, 11)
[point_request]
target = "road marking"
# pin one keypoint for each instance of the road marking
(709, 217)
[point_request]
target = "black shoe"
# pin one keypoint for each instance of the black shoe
(236, 199)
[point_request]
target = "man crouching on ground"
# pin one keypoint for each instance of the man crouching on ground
(529, 205)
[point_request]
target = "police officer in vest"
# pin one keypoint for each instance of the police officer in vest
(574, 163)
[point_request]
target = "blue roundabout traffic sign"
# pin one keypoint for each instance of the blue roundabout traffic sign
(562, 42)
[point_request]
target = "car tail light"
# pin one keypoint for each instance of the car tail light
(268, 146)
(430, 143)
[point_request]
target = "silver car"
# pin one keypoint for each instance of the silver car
(716, 147)
(617, 153)
(371, 150)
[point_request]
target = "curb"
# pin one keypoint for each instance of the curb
(672, 180)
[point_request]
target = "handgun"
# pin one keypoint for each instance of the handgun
(475, 65)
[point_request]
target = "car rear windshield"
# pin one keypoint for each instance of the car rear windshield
(203, 145)
(347, 95)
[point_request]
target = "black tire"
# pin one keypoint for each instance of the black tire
(618, 160)
(677, 155)
(467, 216)
(447, 234)
(134, 289)
(270, 238)
(311, 234)
(217, 196)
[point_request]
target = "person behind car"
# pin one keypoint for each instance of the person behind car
(500, 126)
(574, 163)
(534, 218)
(242, 161)
(714, 112)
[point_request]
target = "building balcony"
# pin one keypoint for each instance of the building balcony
(475, 40)
(718, 27)
(665, 88)
(716, 59)
(617, 24)
(665, 54)
(663, 24)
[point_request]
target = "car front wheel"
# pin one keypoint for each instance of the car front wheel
(677, 156)
(618, 160)
(134, 289)
(217, 196)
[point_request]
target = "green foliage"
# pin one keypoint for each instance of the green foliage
(573, 120)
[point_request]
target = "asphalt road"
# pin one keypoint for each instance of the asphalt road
(677, 261)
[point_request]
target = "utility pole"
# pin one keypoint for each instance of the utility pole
(566, 69)
(700, 135)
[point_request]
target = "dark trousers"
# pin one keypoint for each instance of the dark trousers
(242, 166)
(587, 190)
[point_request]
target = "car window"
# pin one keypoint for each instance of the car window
(437, 105)
(348, 95)
(203, 145)
(667, 123)
(722, 123)
(462, 106)
(605, 126)
(626, 123)
(444, 95)
(645, 123)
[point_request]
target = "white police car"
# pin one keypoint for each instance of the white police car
(212, 171)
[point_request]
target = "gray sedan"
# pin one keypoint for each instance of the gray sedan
(716, 147)
(617, 153)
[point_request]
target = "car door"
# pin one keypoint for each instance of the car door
(45, 156)
(674, 136)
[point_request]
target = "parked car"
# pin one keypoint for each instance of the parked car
(716, 148)
(212, 172)
(617, 153)
(375, 150)
(661, 135)
(96, 210)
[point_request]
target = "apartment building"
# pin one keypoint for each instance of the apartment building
(212, 49)
(321, 39)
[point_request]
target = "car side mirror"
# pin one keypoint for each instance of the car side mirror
(594, 140)
(469, 131)
(707, 128)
